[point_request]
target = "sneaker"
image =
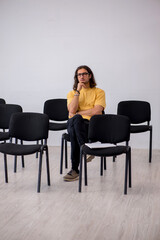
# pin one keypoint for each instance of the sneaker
(71, 176)
(90, 158)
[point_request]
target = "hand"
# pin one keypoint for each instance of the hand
(71, 114)
(80, 85)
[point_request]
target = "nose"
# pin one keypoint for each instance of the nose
(81, 76)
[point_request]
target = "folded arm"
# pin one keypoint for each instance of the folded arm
(89, 112)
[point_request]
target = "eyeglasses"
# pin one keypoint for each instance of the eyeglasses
(82, 74)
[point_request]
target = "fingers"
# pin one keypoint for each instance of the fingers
(80, 85)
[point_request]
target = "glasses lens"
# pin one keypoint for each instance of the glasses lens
(82, 74)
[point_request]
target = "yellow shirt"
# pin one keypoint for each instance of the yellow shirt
(88, 98)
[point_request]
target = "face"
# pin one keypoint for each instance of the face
(83, 76)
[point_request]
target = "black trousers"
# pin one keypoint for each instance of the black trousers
(78, 131)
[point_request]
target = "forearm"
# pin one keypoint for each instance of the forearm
(73, 106)
(93, 111)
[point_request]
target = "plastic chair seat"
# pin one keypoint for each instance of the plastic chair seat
(16, 149)
(140, 128)
(106, 152)
(57, 126)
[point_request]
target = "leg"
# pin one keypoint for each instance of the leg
(47, 166)
(130, 171)
(105, 166)
(126, 174)
(80, 172)
(78, 130)
(150, 146)
(85, 169)
(66, 154)
(22, 157)
(5, 168)
(15, 158)
(39, 172)
(101, 168)
(61, 162)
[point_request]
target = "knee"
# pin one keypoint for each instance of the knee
(73, 121)
(77, 117)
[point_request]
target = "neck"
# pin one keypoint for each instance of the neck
(87, 85)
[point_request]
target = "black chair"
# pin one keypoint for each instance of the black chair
(57, 111)
(6, 111)
(138, 112)
(2, 101)
(28, 127)
(112, 129)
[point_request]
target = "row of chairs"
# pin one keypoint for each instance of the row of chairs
(108, 129)
(56, 110)
(138, 112)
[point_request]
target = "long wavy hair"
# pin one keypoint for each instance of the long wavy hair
(92, 79)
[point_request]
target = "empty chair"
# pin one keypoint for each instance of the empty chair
(57, 111)
(139, 113)
(6, 111)
(112, 129)
(28, 127)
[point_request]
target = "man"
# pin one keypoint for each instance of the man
(84, 101)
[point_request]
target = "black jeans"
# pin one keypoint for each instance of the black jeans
(78, 131)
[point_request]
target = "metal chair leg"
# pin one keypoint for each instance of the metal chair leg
(105, 165)
(85, 169)
(39, 172)
(101, 167)
(150, 146)
(61, 160)
(15, 159)
(126, 175)
(22, 157)
(5, 168)
(80, 171)
(47, 166)
(130, 171)
(66, 154)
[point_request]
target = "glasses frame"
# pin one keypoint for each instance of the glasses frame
(82, 74)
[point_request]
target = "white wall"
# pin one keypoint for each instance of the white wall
(42, 42)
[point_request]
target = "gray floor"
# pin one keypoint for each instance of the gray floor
(100, 212)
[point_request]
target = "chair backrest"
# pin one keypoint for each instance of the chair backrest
(6, 111)
(137, 111)
(56, 109)
(29, 126)
(2, 101)
(109, 128)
